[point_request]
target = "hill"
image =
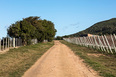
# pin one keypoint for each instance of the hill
(100, 28)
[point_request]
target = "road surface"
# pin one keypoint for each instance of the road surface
(60, 61)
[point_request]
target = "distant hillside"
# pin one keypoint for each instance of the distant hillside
(100, 28)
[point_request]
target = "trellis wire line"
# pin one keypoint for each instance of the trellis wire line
(105, 43)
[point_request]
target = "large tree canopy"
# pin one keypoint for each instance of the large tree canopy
(32, 27)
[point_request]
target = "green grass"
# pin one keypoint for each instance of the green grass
(104, 64)
(16, 61)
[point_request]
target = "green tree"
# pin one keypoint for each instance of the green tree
(22, 29)
(27, 31)
(14, 30)
(49, 31)
(32, 27)
(59, 38)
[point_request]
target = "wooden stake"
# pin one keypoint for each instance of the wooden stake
(108, 44)
(113, 43)
(96, 44)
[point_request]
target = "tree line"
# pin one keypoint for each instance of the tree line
(32, 28)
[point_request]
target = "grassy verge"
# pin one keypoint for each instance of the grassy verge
(16, 61)
(104, 64)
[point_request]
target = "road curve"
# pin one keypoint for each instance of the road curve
(59, 61)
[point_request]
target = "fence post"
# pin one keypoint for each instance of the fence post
(115, 39)
(76, 40)
(6, 43)
(113, 43)
(105, 44)
(108, 44)
(85, 41)
(81, 41)
(13, 42)
(3, 44)
(0, 44)
(101, 45)
(96, 44)
(90, 42)
(93, 44)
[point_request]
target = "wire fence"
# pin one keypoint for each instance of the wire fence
(6, 43)
(104, 43)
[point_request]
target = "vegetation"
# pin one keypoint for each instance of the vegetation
(32, 27)
(16, 61)
(100, 28)
(104, 64)
(59, 38)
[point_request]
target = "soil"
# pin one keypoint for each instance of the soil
(96, 55)
(60, 61)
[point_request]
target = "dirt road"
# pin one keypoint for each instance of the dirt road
(59, 61)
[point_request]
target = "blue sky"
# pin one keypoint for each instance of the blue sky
(69, 16)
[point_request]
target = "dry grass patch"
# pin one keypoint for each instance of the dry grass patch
(16, 61)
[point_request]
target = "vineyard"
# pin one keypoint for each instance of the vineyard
(105, 43)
